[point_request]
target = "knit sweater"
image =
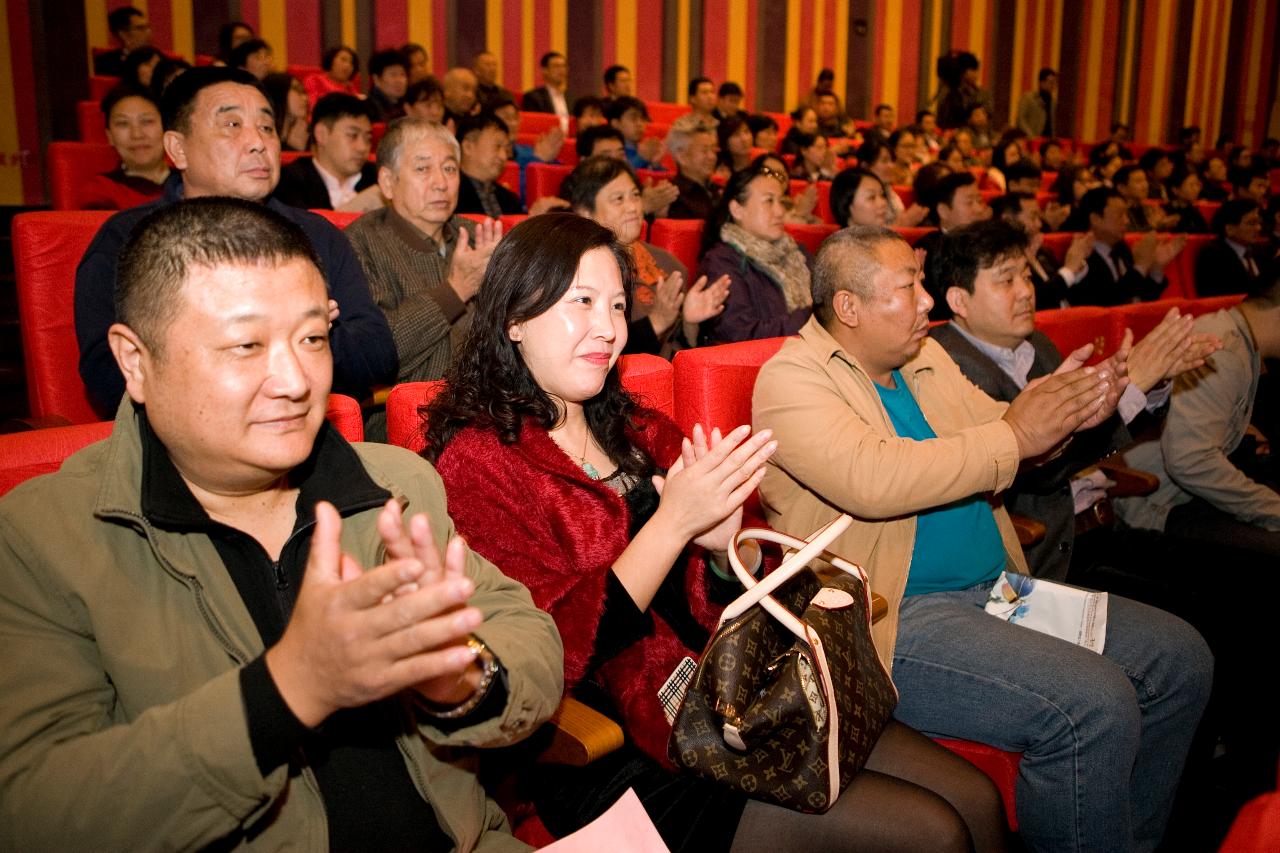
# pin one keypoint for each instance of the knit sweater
(408, 277)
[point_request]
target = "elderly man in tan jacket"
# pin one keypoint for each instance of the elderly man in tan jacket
(874, 419)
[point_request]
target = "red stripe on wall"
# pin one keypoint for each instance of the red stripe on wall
(390, 18)
(1144, 127)
(1108, 66)
(512, 39)
(541, 34)
(609, 35)
(829, 39)
(24, 101)
(249, 13)
(303, 34)
(877, 53)
(439, 47)
(160, 16)
(1217, 69)
(909, 61)
(1266, 86)
(715, 37)
(1037, 17)
(749, 84)
(648, 70)
(960, 25)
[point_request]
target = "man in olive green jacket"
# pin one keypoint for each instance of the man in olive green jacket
(140, 586)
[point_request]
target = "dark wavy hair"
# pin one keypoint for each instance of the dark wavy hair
(590, 176)
(489, 385)
(846, 186)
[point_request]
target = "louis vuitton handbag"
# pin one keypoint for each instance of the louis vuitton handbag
(789, 697)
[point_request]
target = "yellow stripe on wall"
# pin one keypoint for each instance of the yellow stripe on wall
(1056, 12)
(10, 170)
(273, 30)
(682, 48)
(560, 26)
(1097, 20)
(1193, 70)
(935, 50)
(842, 49)
(184, 37)
(527, 11)
(1159, 101)
(1127, 62)
(1020, 36)
(347, 11)
(792, 77)
(977, 27)
(493, 31)
(624, 32)
(95, 25)
(818, 36)
(736, 57)
(890, 76)
(420, 31)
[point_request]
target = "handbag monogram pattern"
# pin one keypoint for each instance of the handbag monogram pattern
(783, 716)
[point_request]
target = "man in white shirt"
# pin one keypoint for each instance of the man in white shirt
(551, 96)
(339, 170)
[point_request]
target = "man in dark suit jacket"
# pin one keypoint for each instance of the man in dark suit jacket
(130, 27)
(484, 140)
(1229, 264)
(1117, 274)
(552, 96)
(1051, 278)
(992, 338)
(342, 128)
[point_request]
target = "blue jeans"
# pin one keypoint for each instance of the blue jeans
(1103, 737)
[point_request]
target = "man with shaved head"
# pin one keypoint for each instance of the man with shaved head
(460, 93)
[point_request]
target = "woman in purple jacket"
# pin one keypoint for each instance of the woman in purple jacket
(768, 272)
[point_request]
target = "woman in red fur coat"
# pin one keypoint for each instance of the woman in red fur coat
(555, 475)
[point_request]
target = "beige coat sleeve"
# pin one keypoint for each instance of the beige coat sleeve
(851, 457)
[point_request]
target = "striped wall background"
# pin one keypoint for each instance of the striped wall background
(1155, 64)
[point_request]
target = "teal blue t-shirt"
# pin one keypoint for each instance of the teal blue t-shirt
(957, 545)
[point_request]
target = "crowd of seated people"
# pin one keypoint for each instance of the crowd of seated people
(557, 477)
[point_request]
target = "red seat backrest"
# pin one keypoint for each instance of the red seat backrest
(1058, 242)
(73, 163)
(906, 194)
(1071, 328)
(339, 218)
(511, 177)
(568, 155)
(811, 236)
(100, 85)
(647, 377)
(543, 179)
(344, 413)
(24, 455)
(1142, 317)
(713, 385)
(665, 113)
(912, 234)
(823, 208)
(287, 157)
(89, 120)
(1208, 209)
(47, 248)
(784, 123)
(1180, 273)
(379, 130)
(509, 220)
(680, 237)
(538, 123)
(1209, 304)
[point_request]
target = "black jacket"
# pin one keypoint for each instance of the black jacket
(469, 199)
(1219, 270)
(301, 185)
(1100, 287)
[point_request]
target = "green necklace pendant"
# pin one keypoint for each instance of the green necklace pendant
(590, 470)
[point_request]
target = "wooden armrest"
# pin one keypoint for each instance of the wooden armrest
(1029, 530)
(1130, 482)
(879, 607)
(378, 397)
(582, 734)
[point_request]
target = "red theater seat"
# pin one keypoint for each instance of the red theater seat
(287, 157)
(1142, 317)
(1058, 242)
(344, 413)
(912, 234)
(823, 207)
(340, 218)
(100, 85)
(1210, 304)
(784, 122)
(538, 123)
(1208, 209)
(511, 177)
(24, 455)
(543, 179)
(71, 164)
(90, 121)
(661, 112)
(680, 237)
(1072, 328)
(1180, 273)
(47, 248)
(906, 194)
(811, 236)
(647, 377)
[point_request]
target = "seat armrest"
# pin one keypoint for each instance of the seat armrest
(1130, 482)
(1029, 530)
(581, 735)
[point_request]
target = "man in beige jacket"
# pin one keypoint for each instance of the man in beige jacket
(874, 419)
(226, 627)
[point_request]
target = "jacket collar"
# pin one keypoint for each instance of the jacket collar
(826, 347)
